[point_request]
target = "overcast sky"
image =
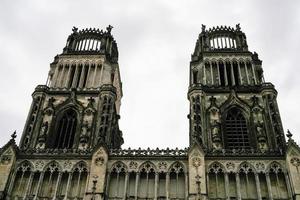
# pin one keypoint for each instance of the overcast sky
(155, 40)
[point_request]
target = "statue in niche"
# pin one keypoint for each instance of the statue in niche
(84, 135)
(261, 136)
(44, 129)
(216, 135)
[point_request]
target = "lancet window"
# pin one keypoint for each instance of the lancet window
(236, 133)
(64, 135)
(50, 183)
(146, 182)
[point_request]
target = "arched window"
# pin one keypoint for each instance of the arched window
(65, 132)
(236, 132)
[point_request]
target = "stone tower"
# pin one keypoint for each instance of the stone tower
(70, 148)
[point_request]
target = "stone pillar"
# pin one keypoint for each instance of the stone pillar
(75, 76)
(288, 185)
(82, 75)
(254, 75)
(55, 76)
(68, 76)
(186, 185)
(95, 75)
(39, 185)
(232, 74)
(218, 69)
(211, 74)
(126, 185)
(87, 85)
(28, 185)
(156, 185)
(269, 186)
(204, 74)
(257, 186)
(247, 75)
(57, 185)
(225, 74)
(240, 73)
(227, 186)
(238, 188)
(137, 178)
(68, 185)
(167, 185)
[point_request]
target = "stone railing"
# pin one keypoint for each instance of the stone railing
(149, 152)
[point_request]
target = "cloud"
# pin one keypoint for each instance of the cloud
(155, 40)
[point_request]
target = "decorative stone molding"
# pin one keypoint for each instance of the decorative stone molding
(162, 166)
(196, 161)
(133, 165)
(295, 161)
(39, 165)
(230, 166)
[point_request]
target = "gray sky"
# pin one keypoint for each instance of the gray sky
(155, 40)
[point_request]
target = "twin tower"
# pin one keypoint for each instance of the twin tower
(70, 148)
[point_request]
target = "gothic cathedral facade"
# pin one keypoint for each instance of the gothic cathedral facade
(70, 148)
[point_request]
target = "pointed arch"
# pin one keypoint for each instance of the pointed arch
(64, 130)
(236, 131)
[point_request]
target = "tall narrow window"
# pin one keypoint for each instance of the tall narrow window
(65, 132)
(236, 133)
(228, 73)
(222, 73)
(195, 74)
(236, 73)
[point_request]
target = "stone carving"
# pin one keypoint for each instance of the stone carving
(67, 165)
(53, 166)
(133, 165)
(196, 161)
(275, 167)
(177, 168)
(260, 167)
(246, 168)
(147, 167)
(162, 166)
(99, 161)
(215, 167)
(295, 161)
(39, 165)
(119, 167)
(6, 159)
(230, 166)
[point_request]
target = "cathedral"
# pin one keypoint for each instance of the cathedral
(71, 145)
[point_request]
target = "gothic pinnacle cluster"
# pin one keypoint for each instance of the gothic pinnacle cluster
(71, 144)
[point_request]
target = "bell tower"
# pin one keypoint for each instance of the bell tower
(232, 108)
(80, 103)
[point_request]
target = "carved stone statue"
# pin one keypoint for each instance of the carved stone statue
(44, 129)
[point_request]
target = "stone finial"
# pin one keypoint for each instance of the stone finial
(14, 135)
(238, 27)
(289, 135)
(203, 27)
(74, 29)
(109, 28)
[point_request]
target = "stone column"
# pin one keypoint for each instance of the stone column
(225, 74)
(247, 75)
(12, 182)
(288, 185)
(87, 85)
(68, 76)
(82, 75)
(254, 75)
(126, 185)
(240, 73)
(186, 185)
(204, 74)
(167, 185)
(211, 74)
(61, 79)
(226, 186)
(57, 185)
(95, 75)
(75, 76)
(55, 75)
(269, 186)
(78, 188)
(218, 69)
(137, 178)
(257, 186)
(232, 74)
(238, 186)
(68, 185)
(39, 185)
(156, 185)
(29, 184)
